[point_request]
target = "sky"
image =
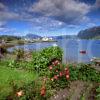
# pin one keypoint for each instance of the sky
(48, 17)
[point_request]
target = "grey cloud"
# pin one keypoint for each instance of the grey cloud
(68, 11)
(45, 23)
(2, 7)
(5, 14)
(97, 4)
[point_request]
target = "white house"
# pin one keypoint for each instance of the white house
(45, 39)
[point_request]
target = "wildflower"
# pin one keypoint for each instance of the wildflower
(20, 93)
(56, 70)
(53, 63)
(66, 69)
(61, 74)
(43, 91)
(56, 77)
(52, 79)
(56, 62)
(50, 67)
(67, 72)
(67, 77)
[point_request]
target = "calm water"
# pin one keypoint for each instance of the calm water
(71, 49)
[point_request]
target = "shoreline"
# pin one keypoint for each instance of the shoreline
(12, 44)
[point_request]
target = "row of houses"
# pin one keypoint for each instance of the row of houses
(37, 39)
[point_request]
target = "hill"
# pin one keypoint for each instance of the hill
(9, 38)
(64, 37)
(90, 33)
(32, 36)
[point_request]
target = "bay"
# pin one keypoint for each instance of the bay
(71, 49)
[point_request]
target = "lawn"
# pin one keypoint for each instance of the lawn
(19, 77)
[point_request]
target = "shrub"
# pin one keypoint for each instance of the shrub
(84, 72)
(19, 54)
(89, 74)
(59, 75)
(42, 58)
(98, 93)
(3, 50)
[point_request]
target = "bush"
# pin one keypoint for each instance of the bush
(89, 74)
(42, 58)
(19, 54)
(3, 50)
(84, 72)
(59, 75)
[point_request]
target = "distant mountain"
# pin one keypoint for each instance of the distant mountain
(32, 36)
(65, 37)
(90, 33)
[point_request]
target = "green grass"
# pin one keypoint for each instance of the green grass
(19, 77)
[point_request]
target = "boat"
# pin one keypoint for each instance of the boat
(82, 51)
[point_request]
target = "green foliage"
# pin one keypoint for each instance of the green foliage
(19, 77)
(84, 72)
(19, 54)
(3, 50)
(42, 58)
(87, 73)
(9, 38)
(98, 93)
(74, 72)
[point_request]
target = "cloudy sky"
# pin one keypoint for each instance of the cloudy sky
(48, 17)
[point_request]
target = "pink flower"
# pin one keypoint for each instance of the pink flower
(20, 93)
(52, 79)
(67, 72)
(43, 91)
(66, 69)
(53, 63)
(50, 67)
(67, 77)
(60, 74)
(56, 70)
(56, 77)
(56, 62)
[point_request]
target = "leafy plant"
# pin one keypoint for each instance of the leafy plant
(19, 54)
(98, 93)
(42, 58)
